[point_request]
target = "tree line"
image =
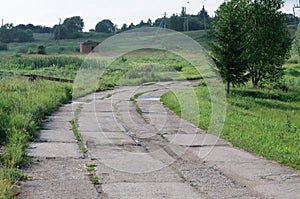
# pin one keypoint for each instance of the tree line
(73, 27)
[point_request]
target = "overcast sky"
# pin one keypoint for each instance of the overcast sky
(48, 12)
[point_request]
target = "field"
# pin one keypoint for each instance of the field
(261, 121)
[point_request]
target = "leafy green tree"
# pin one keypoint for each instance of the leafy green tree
(194, 23)
(175, 22)
(74, 24)
(41, 50)
(267, 41)
(8, 33)
(149, 22)
(251, 37)
(131, 26)
(124, 27)
(70, 29)
(227, 50)
(105, 26)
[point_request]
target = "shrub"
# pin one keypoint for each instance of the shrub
(3, 46)
(41, 50)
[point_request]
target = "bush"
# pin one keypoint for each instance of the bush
(3, 46)
(41, 50)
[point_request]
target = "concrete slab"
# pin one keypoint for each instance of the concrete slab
(223, 154)
(108, 175)
(57, 125)
(54, 150)
(265, 177)
(53, 189)
(196, 140)
(279, 190)
(107, 138)
(60, 117)
(130, 162)
(56, 169)
(149, 190)
(98, 106)
(102, 122)
(57, 136)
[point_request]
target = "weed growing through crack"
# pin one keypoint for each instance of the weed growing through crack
(95, 180)
(91, 168)
(77, 135)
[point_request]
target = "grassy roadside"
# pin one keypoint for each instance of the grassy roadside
(23, 105)
(264, 122)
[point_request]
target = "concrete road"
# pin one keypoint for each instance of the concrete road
(142, 150)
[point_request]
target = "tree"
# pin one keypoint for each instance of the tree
(142, 24)
(70, 29)
(227, 50)
(74, 24)
(149, 22)
(124, 27)
(41, 50)
(268, 41)
(9, 33)
(251, 37)
(105, 26)
(131, 26)
(175, 22)
(194, 23)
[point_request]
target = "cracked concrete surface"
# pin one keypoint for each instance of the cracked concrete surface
(142, 150)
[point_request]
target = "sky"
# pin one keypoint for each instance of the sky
(48, 12)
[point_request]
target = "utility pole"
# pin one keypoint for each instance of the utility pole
(186, 20)
(204, 19)
(58, 32)
(163, 23)
(2, 22)
(165, 20)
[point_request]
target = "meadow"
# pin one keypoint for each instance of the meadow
(262, 121)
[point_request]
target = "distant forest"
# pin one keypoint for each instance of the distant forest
(73, 27)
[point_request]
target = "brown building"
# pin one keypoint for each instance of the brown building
(88, 46)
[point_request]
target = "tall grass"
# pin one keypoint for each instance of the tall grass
(54, 66)
(23, 105)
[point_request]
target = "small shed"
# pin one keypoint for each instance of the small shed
(88, 46)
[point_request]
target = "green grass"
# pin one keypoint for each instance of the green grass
(23, 105)
(145, 66)
(264, 122)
